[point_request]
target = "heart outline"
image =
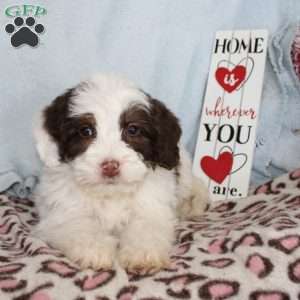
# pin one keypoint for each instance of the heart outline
(227, 169)
(242, 165)
(235, 155)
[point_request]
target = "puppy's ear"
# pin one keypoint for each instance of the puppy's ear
(168, 133)
(45, 145)
(48, 129)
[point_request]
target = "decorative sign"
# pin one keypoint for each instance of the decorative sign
(226, 140)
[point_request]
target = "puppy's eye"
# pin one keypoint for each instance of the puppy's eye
(133, 130)
(86, 131)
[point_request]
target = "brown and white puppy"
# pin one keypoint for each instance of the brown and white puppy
(115, 178)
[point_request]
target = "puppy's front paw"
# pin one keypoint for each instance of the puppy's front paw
(143, 261)
(195, 205)
(95, 255)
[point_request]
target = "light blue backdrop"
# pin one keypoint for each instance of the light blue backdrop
(165, 46)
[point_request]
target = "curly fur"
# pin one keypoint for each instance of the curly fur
(95, 219)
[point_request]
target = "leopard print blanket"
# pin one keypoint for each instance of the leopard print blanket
(245, 249)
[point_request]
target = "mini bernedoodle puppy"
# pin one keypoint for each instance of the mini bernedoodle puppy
(115, 178)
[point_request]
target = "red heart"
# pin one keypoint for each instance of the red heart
(217, 169)
(230, 80)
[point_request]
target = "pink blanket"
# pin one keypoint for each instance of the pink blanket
(245, 249)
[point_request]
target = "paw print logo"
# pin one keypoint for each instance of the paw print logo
(24, 32)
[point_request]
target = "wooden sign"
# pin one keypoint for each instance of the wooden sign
(226, 139)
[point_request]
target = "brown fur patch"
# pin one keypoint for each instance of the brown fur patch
(159, 133)
(65, 129)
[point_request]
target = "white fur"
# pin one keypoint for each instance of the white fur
(92, 220)
(44, 144)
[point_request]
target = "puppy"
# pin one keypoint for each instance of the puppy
(115, 178)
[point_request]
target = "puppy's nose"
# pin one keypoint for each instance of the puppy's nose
(110, 168)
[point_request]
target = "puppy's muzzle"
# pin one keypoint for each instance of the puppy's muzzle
(110, 168)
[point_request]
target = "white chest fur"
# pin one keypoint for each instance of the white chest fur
(112, 214)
